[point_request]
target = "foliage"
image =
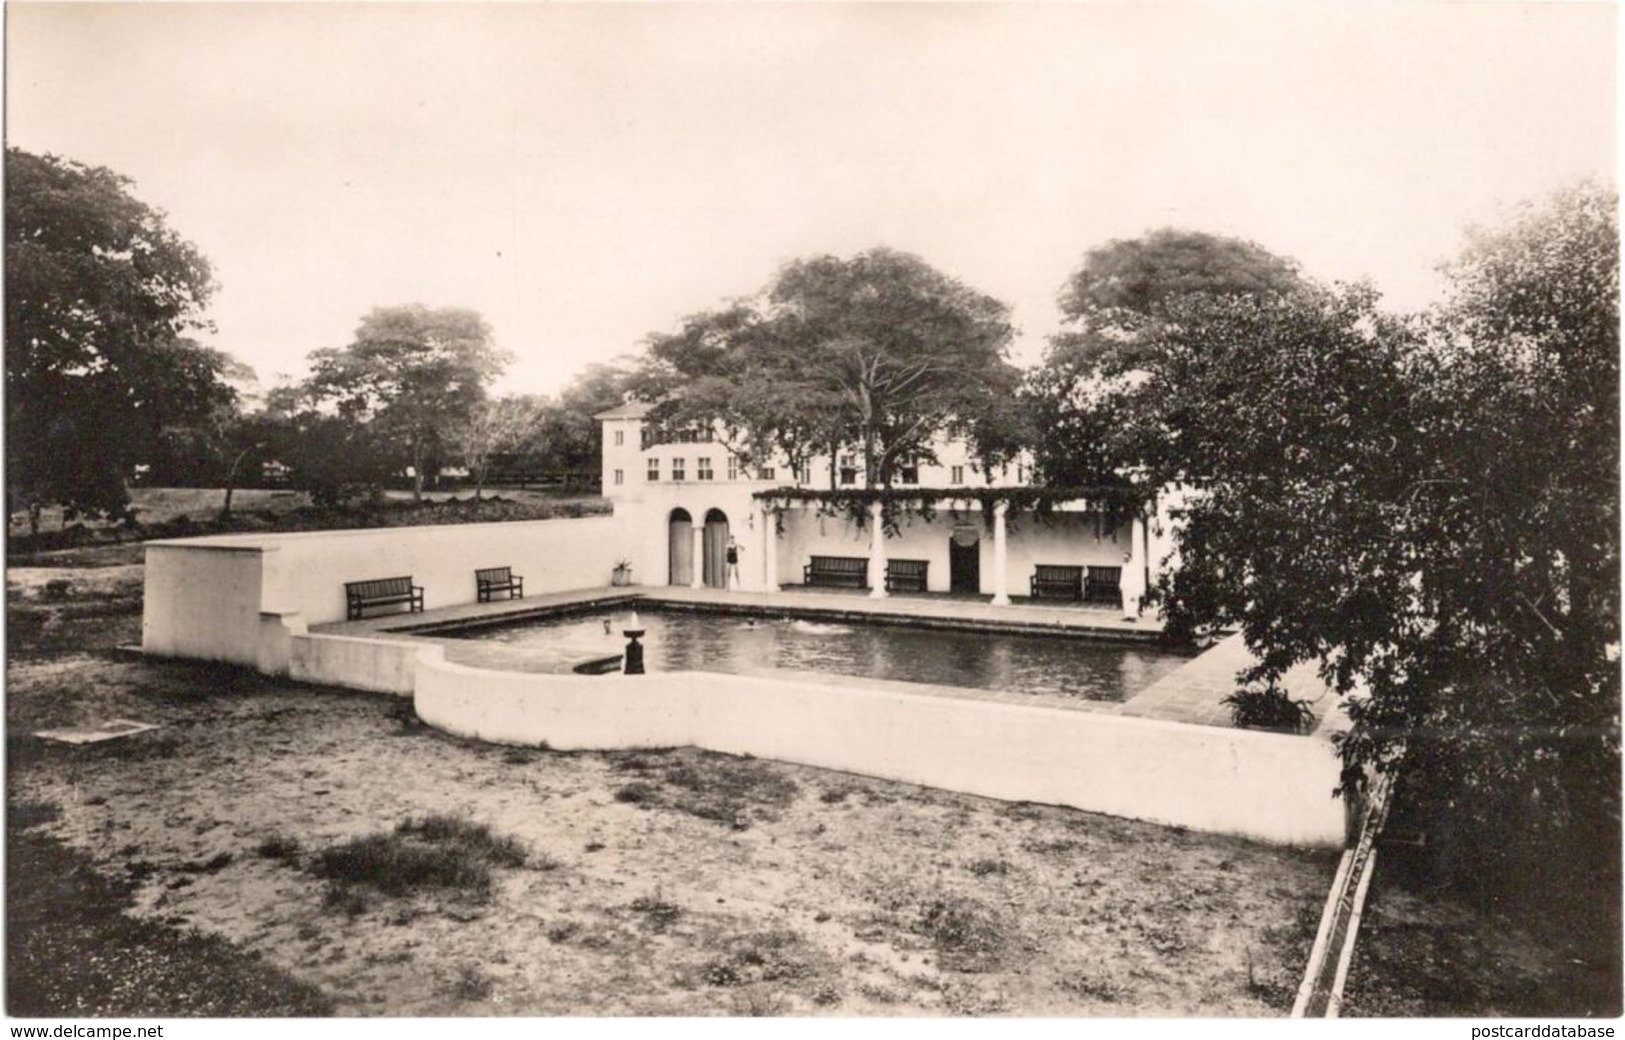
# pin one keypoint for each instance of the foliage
(1269, 707)
(436, 852)
(493, 426)
(1092, 375)
(1428, 508)
(409, 376)
(566, 435)
(1120, 502)
(98, 293)
(878, 355)
(334, 458)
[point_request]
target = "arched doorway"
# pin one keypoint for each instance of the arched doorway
(680, 539)
(716, 550)
(965, 559)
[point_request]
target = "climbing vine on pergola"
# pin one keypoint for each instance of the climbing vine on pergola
(1116, 503)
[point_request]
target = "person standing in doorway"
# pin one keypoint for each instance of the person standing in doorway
(1132, 586)
(733, 564)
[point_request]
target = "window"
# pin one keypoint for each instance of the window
(849, 475)
(908, 475)
(956, 475)
(733, 467)
(766, 473)
(654, 470)
(677, 469)
(620, 438)
(1021, 473)
(702, 468)
(620, 477)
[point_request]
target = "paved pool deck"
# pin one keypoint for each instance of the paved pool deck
(1192, 693)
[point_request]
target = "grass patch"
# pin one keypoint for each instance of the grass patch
(279, 848)
(436, 852)
(472, 983)
(658, 915)
(345, 899)
(736, 792)
(771, 956)
(476, 838)
(24, 815)
(72, 951)
(967, 935)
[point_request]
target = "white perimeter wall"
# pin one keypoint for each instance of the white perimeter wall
(204, 596)
(1265, 786)
(202, 603)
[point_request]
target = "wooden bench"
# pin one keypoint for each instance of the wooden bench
(837, 570)
(490, 580)
(906, 575)
(1103, 585)
(1052, 580)
(382, 592)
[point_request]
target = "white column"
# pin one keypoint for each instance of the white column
(1001, 592)
(698, 580)
(770, 550)
(877, 551)
(1133, 580)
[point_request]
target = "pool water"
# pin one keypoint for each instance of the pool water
(1067, 666)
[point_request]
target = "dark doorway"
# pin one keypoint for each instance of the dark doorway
(965, 560)
(681, 538)
(715, 549)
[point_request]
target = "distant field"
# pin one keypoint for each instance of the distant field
(154, 506)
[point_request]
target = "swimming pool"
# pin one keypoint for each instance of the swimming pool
(1058, 665)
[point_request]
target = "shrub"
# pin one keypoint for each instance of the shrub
(658, 915)
(435, 852)
(1269, 708)
(476, 838)
(967, 936)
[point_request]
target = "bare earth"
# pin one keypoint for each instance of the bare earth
(655, 883)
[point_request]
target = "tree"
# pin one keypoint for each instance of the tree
(1111, 307)
(494, 426)
(330, 456)
(562, 434)
(1126, 286)
(410, 375)
(1428, 508)
(98, 293)
(878, 355)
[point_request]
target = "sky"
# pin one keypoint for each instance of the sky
(586, 174)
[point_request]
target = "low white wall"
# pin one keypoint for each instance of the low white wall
(380, 665)
(1258, 785)
(203, 604)
(204, 596)
(309, 570)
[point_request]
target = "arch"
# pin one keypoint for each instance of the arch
(715, 549)
(680, 542)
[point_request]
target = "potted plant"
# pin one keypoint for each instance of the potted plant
(1269, 708)
(623, 573)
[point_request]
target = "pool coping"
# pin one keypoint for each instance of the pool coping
(1191, 693)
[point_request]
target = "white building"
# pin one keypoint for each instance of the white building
(686, 499)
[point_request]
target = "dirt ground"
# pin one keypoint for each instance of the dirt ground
(671, 883)
(654, 883)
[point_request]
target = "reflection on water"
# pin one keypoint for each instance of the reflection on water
(1068, 666)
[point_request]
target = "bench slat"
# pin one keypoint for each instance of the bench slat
(378, 592)
(488, 580)
(837, 570)
(906, 575)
